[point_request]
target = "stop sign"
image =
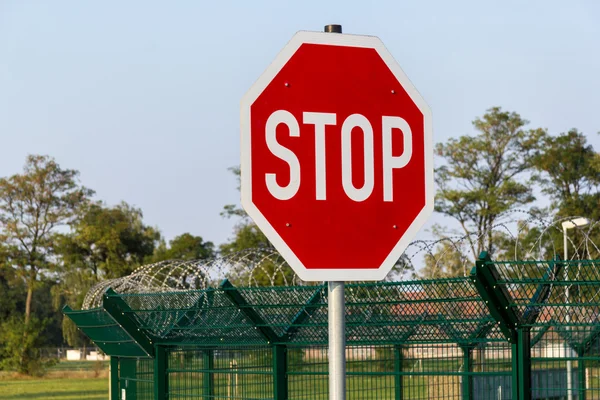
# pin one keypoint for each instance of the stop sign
(337, 159)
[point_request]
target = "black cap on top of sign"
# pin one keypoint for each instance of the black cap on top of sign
(333, 28)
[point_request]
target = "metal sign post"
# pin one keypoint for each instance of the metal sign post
(336, 309)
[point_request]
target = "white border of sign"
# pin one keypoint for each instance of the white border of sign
(250, 97)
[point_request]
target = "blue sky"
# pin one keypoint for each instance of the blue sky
(143, 97)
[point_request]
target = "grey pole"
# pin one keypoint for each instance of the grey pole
(568, 318)
(336, 309)
(337, 341)
(574, 223)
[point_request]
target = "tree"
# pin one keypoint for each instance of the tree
(71, 289)
(246, 234)
(20, 346)
(233, 210)
(486, 175)
(33, 205)
(11, 289)
(445, 257)
(570, 174)
(185, 247)
(446, 261)
(105, 242)
(270, 271)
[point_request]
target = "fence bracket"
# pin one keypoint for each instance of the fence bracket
(236, 298)
(496, 297)
(119, 310)
(302, 315)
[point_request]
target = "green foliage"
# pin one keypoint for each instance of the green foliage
(295, 355)
(12, 307)
(105, 242)
(109, 242)
(271, 272)
(232, 210)
(185, 247)
(445, 261)
(384, 358)
(247, 236)
(486, 175)
(19, 346)
(12, 292)
(71, 289)
(246, 233)
(33, 206)
(570, 174)
(522, 246)
(45, 311)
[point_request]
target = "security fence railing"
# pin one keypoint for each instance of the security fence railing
(510, 330)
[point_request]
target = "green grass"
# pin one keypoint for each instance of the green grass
(79, 365)
(97, 389)
(54, 389)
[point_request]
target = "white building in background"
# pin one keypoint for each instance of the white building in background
(73, 355)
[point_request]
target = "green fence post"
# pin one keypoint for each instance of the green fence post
(161, 378)
(128, 376)
(208, 381)
(514, 385)
(467, 382)
(114, 378)
(581, 374)
(398, 361)
(524, 364)
(521, 365)
(280, 376)
(498, 300)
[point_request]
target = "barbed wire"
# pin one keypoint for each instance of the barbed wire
(266, 267)
(513, 226)
(247, 268)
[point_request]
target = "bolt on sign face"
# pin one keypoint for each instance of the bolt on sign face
(337, 158)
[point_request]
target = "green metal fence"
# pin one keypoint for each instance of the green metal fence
(510, 330)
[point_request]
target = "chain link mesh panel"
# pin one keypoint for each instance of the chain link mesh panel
(135, 378)
(226, 373)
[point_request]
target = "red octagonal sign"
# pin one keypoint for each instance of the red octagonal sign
(337, 159)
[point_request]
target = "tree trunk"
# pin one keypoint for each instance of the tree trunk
(28, 303)
(490, 235)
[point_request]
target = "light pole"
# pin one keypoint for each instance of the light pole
(572, 223)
